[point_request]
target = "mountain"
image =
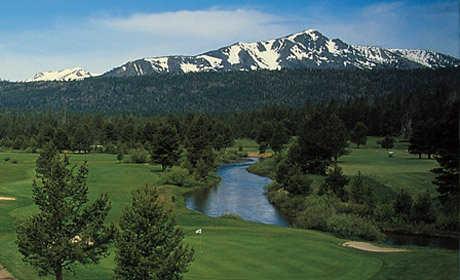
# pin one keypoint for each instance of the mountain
(307, 49)
(72, 74)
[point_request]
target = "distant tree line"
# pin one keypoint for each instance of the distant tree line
(221, 92)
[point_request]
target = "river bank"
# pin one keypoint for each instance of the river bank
(406, 235)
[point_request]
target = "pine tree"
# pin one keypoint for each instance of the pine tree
(447, 174)
(422, 210)
(360, 192)
(279, 137)
(48, 155)
(403, 204)
(335, 183)
(322, 138)
(359, 134)
(165, 148)
(149, 244)
(66, 230)
(264, 135)
(199, 138)
(387, 142)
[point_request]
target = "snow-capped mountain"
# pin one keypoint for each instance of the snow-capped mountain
(72, 74)
(307, 49)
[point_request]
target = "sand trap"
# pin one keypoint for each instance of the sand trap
(365, 246)
(258, 155)
(5, 275)
(7, 198)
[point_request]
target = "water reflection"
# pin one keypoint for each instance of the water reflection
(239, 192)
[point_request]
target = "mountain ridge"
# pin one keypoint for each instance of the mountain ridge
(308, 49)
(64, 75)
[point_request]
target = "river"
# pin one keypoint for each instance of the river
(243, 193)
(239, 192)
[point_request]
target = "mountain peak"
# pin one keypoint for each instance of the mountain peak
(71, 74)
(306, 49)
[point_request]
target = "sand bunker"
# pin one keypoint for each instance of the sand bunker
(7, 198)
(5, 275)
(365, 246)
(259, 155)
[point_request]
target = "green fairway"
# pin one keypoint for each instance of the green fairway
(230, 248)
(403, 170)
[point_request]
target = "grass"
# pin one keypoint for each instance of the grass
(229, 248)
(403, 170)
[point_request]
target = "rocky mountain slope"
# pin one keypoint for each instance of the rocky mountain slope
(307, 49)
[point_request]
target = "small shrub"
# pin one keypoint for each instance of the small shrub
(181, 177)
(353, 227)
(139, 156)
(14, 161)
(317, 209)
(7, 159)
(120, 157)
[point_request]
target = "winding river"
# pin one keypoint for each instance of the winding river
(239, 192)
(242, 193)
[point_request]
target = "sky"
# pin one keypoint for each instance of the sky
(42, 35)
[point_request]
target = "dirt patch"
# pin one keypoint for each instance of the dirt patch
(5, 275)
(260, 155)
(365, 246)
(5, 198)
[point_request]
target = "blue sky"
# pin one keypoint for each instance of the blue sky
(43, 35)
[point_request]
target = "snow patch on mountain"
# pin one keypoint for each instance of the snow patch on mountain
(72, 74)
(428, 58)
(306, 49)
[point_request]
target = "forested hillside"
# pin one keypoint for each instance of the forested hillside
(219, 92)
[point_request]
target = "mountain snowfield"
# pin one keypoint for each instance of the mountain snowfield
(307, 49)
(73, 74)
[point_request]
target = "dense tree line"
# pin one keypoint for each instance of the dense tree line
(222, 92)
(413, 116)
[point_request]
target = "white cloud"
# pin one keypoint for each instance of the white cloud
(100, 43)
(208, 24)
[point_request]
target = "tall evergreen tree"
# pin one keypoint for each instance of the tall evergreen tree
(447, 174)
(264, 135)
(279, 137)
(319, 141)
(66, 230)
(199, 137)
(149, 244)
(359, 134)
(335, 182)
(387, 142)
(165, 148)
(403, 204)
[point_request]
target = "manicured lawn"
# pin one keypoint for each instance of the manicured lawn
(403, 170)
(228, 248)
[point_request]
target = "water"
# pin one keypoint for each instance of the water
(239, 192)
(243, 193)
